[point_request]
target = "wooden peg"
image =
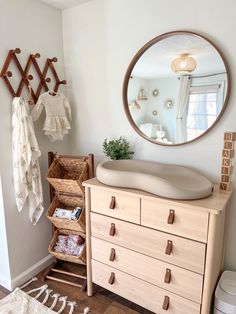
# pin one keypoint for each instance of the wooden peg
(166, 303)
(17, 50)
(167, 276)
(63, 82)
(36, 55)
(112, 255)
(112, 203)
(7, 74)
(28, 78)
(48, 80)
(171, 217)
(54, 59)
(169, 247)
(112, 278)
(112, 230)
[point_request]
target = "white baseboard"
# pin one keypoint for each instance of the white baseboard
(5, 282)
(27, 274)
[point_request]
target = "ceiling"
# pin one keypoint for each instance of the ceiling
(156, 61)
(64, 4)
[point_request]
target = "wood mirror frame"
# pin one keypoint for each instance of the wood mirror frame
(137, 57)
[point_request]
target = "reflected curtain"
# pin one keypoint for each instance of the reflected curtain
(181, 132)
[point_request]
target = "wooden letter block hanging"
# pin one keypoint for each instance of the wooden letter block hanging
(227, 160)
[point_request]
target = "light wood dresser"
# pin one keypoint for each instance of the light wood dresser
(162, 254)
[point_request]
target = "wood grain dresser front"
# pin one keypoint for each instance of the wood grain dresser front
(164, 255)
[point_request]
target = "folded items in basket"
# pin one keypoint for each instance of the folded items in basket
(72, 244)
(67, 213)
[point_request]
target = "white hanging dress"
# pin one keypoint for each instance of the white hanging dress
(58, 115)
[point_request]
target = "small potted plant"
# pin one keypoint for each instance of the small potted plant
(117, 149)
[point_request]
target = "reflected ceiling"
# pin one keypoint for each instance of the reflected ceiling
(64, 4)
(157, 60)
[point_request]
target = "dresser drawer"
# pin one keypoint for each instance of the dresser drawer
(166, 247)
(167, 276)
(186, 223)
(117, 205)
(141, 292)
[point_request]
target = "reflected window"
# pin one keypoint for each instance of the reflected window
(202, 110)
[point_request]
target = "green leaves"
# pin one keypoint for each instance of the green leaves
(117, 149)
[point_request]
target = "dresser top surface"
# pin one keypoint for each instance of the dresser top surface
(214, 204)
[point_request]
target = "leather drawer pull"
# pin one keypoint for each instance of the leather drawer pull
(169, 247)
(113, 202)
(166, 302)
(112, 255)
(171, 217)
(112, 278)
(167, 275)
(112, 230)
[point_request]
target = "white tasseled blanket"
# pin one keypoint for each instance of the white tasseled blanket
(25, 155)
(19, 302)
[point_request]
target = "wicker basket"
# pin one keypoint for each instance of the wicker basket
(67, 174)
(81, 259)
(67, 202)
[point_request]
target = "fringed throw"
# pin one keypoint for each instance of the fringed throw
(63, 300)
(20, 302)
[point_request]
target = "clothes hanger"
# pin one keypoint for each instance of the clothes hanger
(52, 92)
(31, 99)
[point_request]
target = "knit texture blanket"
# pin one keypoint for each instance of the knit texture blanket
(19, 302)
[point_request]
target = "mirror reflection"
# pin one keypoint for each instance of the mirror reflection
(177, 89)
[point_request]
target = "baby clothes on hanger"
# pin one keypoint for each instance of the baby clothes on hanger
(58, 115)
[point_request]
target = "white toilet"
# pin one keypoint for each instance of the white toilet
(225, 294)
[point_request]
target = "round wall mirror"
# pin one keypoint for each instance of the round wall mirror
(183, 78)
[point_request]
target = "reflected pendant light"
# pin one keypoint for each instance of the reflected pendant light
(184, 64)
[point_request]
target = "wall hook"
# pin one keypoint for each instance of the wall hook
(41, 75)
(27, 78)
(7, 74)
(17, 50)
(36, 55)
(54, 59)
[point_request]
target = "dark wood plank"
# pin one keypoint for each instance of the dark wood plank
(102, 302)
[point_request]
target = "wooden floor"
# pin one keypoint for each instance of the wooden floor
(102, 302)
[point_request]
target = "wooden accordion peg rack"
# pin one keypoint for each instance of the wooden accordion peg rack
(26, 77)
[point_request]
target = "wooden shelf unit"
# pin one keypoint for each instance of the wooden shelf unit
(54, 267)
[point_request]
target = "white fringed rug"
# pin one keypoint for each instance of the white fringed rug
(19, 302)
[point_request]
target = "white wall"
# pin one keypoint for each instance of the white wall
(33, 27)
(138, 115)
(4, 260)
(101, 37)
(168, 88)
